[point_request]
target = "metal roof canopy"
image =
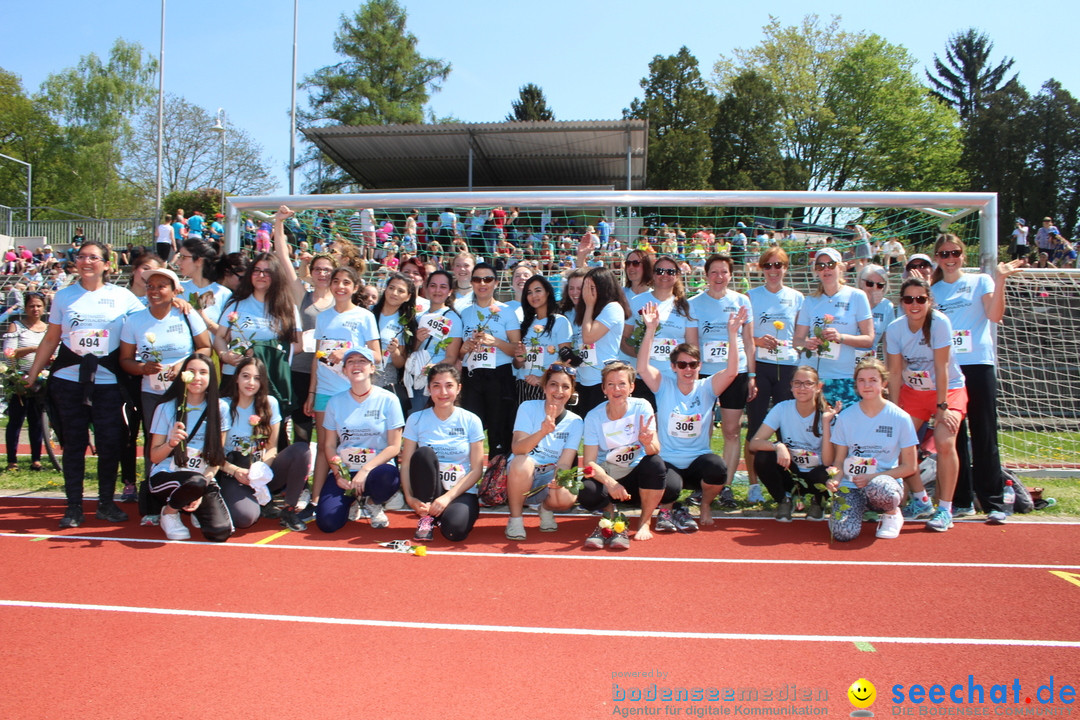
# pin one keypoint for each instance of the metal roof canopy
(510, 154)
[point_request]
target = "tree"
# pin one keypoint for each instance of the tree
(530, 105)
(28, 134)
(1055, 159)
(965, 79)
(191, 153)
(998, 142)
(681, 110)
(746, 137)
(382, 79)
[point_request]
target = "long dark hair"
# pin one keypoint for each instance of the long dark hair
(607, 291)
(944, 239)
(234, 263)
(565, 305)
(646, 267)
(207, 251)
(357, 297)
(450, 279)
(280, 307)
(528, 312)
(929, 319)
(260, 404)
(407, 311)
(213, 451)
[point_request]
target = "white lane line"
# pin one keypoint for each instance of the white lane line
(539, 630)
(598, 556)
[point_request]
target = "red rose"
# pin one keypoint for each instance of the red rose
(588, 471)
(445, 330)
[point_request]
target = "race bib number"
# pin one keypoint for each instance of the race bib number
(307, 341)
(543, 474)
(662, 348)
(449, 474)
(624, 456)
(159, 381)
(833, 353)
(684, 426)
(857, 466)
(588, 354)
(961, 341)
(918, 379)
(195, 462)
(621, 432)
(482, 358)
(784, 352)
(716, 351)
(357, 458)
(437, 324)
(804, 459)
(89, 342)
(534, 358)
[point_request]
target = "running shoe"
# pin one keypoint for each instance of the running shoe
(620, 541)
(130, 493)
(941, 521)
(727, 499)
(816, 512)
(290, 519)
(174, 528)
(963, 511)
(917, 510)
(890, 525)
(783, 510)
(665, 523)
(547, 519)
(108, 511)
(995, 517)
(307, 514)
(270, 510)
(597, 539)
(425, 529)
(684, 521)
(73, 517)
(515, 528)
(694, 499)
(754, 494)
(376, 514)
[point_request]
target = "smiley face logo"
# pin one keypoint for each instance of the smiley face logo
(862, 693)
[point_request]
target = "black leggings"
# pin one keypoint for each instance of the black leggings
(708, 468)
(490, 394)
(780, 482)
(649, 474)
(980, 467)
(773, 387)
(458, 518)
(214, 520)
(23, 408)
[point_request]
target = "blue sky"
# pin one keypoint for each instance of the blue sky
(588, 56)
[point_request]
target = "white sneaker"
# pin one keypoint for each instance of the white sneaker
(547, 519)
(355, 511)
(305, 498)
(396, 502)
(375, 514)
(174, 528)
(889, 526)
(195, 523)
(515, 528)
(754, 494)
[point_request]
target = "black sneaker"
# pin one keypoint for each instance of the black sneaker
(308, 513)
(290, 519)
(727, 499)
(783, 510)
(270, 510)
(694, 499)
(664, 522)
(108, 510)
(684, 521)
(73, 518)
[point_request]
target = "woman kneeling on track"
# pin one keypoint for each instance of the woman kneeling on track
(803, 447)
(684, 410)
(623, 428)
(187, 439)
(919, 348)
(254, 425)
(875, 444)
(362, 430)
(546, 439)
(442, 459)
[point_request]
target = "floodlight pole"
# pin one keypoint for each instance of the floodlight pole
(219, 127)
(292, 112)
(160, 115)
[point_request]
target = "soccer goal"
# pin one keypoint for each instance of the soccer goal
(1037, 344)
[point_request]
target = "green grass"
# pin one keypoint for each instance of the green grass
(1053, 447)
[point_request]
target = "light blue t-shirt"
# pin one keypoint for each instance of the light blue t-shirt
(390, 328)
(542, 347)
(848, 307)
(195, 225)
(362, 427)
(333, 330)
(884, 314)
(918, 373)
(712, 317)
(165, 418)
(252, 322)
(212, 298)
(770, 307)
(797, 432)
(450, 440)
(91, 323)
(173, 338)
(618, 449)
(606, 348)
(684, 422)
(444, 323)
(239, 432)
(567, 434)
(670, 333)
(881, 437)
(962, 301)
(498, 321)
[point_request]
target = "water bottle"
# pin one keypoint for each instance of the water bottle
(1008, 498)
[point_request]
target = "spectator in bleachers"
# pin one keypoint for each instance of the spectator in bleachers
(21, 341)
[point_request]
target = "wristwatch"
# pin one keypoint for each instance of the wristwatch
(943, 406)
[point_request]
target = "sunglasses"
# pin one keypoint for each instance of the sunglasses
(484, 280)
(560, 368)
(666, 271)
(772, 265)
(919, 266)
(261, 271)
(949, 253)
(683, 364)
(825, 265)
(872, 284)
(633, 263)
(909, 299)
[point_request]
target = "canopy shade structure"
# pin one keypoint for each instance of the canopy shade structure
(595, 153)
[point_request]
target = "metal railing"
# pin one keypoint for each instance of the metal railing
(118, 232)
